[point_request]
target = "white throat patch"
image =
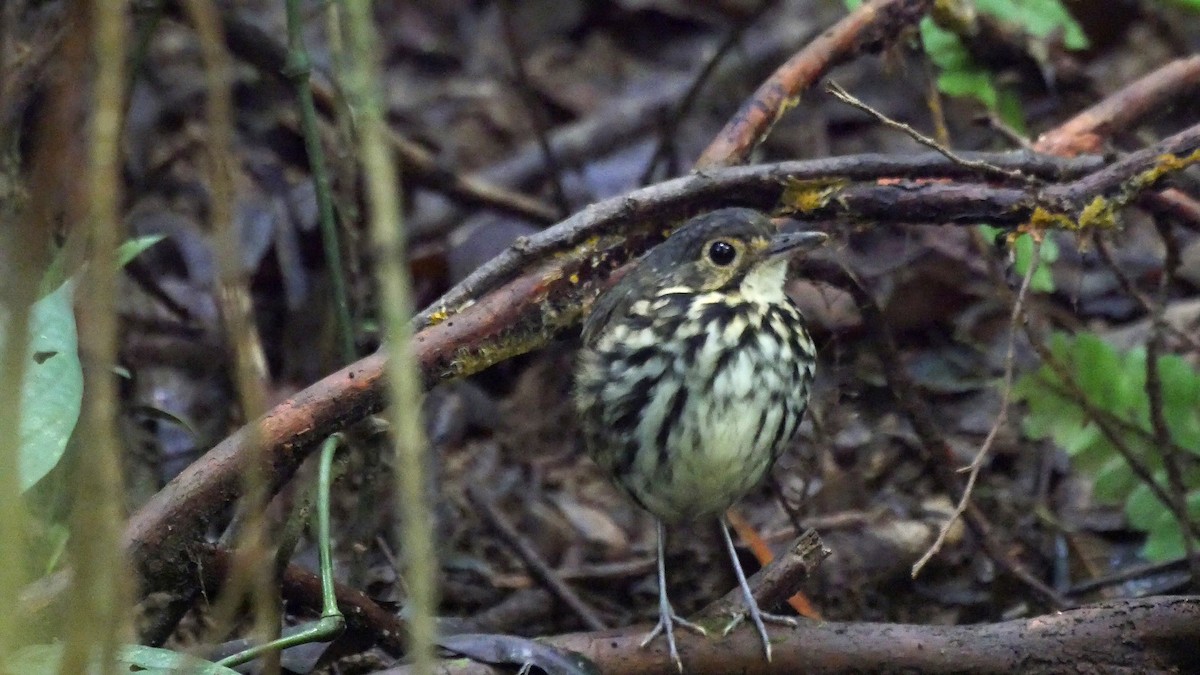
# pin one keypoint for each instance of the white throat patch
(764, 283)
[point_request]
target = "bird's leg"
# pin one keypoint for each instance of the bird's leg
(752, 610)
(667, 618)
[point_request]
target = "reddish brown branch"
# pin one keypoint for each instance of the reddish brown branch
(869, 28)
(1087, 132)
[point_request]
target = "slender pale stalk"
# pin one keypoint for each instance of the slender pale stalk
(101, 595)
(395, 300)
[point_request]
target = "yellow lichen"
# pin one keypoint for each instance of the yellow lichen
(1098, 213)
(1044, 219)
(1164, 165)
(806, 196)
(438, 316)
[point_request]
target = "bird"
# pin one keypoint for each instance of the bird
(692, 379)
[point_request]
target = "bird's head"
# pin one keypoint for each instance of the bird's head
(730, 249)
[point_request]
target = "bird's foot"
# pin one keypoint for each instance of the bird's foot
(760, 619)
(667, 620)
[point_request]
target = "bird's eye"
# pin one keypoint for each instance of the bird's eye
(721, 252)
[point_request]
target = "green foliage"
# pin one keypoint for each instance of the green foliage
(52, 390)
(1040, 18)
(39, 659)
(960, 75)
(1043, 280)
(1115, 384)
(57, 274)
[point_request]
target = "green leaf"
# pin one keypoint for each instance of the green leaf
(1042, 280)
(1181, 400)
(52, 390)
(34, 660)
(1164, 540)
(135, 247)
(973, 82)
(1011, 113)
(153, 659)
(1040, 18)
(39, 659)
(1143, 508)
(944, 48)
(1114, 480)
(961, 76)
(57, 273)
(1115, 385)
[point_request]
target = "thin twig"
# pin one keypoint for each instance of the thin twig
(688, 99)
(1154, 394)
(537, 115)
(380, 177)
(937, 451)
(677, 198)
(1134, 292)
(983, 167)
(299, 71)
(1106, 427)
(1001, 417)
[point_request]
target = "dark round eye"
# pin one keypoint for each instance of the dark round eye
(721, 253)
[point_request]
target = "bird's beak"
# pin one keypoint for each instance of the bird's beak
(789, 243)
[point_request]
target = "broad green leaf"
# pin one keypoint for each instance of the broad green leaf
(52, 390)
(45, 659)
(34, 660)
(1013, 114)
(1181, 400)
(155, 660)
(944, 48)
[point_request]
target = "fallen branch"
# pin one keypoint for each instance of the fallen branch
(1149, 635)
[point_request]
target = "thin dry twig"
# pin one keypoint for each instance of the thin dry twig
(1131, 289)
(976, 464)
(937, 451)
(537, 114)
(1154, 394)
(688, 99)
(981, 166)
